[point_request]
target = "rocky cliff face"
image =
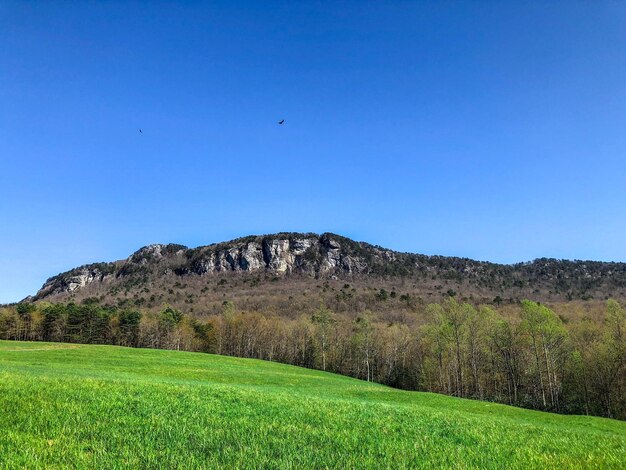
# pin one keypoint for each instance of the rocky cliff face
(75, 279)
(330, 255)
(277, 254)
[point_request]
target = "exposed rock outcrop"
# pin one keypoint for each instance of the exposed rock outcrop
(75, 279)
(280, 254)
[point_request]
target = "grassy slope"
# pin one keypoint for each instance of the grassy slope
(111, 407)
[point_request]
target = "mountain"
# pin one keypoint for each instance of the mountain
(277, 271)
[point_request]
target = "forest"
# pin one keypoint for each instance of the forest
(531, 358)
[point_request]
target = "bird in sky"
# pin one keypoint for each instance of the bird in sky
(140, 131)
(281, 122)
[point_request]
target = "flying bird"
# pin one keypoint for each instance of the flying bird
(280, 122)
(140, 131)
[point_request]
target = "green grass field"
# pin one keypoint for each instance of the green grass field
(81, 406)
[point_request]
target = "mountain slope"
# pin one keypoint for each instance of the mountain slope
(301, 262)
(69, 405)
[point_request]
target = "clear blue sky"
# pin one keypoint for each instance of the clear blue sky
(494, 130)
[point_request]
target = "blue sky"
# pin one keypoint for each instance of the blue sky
(488, 129)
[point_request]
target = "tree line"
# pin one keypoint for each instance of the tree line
(532, 358)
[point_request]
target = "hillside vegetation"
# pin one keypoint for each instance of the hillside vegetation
(68, 405)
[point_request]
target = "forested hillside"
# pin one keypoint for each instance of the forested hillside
(523, 354)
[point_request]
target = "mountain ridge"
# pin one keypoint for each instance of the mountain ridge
(332, 256)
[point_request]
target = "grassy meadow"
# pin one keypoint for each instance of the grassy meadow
(78, 406)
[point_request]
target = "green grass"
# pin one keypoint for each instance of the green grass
(110, 407)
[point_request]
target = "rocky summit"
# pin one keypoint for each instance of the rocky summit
(328, 256)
